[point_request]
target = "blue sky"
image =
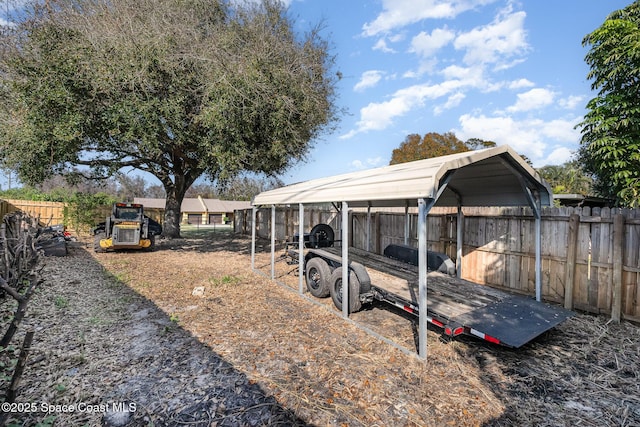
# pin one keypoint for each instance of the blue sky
(512, 72)
(508, 71)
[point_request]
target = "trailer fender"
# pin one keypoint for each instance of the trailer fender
(363, 277)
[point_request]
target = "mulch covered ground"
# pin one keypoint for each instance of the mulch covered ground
(124, 331)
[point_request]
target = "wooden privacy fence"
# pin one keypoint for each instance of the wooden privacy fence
(48, 213)
(53, 213)
(590, 257)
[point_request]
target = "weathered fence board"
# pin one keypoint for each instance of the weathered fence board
(48, 213)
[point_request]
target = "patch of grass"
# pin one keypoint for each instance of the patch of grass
(95, 320)
(47, 422)
(61, 302)
(224, 280)
(203, 231)
(121, 276)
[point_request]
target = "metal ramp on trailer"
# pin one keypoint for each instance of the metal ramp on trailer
(456, 305)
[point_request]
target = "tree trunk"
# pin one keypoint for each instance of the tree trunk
(172, 216)
(175, 195)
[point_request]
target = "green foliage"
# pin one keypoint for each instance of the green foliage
(568, 178)
(82, 211)
(611, 128)
(434, 145)
(175, 89)
(31, 193)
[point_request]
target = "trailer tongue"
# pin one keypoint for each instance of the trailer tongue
(458, 306)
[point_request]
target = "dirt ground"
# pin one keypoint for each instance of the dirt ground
(122, 340)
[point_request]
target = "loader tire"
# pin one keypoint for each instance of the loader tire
(96, 242)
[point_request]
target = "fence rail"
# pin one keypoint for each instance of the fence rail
(590, 257)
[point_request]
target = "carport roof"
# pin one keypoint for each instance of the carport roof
(492, 177)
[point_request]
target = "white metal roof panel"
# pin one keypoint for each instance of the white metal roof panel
(492, 177)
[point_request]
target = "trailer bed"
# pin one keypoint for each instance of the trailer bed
(455, 304)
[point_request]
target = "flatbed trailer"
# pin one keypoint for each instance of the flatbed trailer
(455, 305)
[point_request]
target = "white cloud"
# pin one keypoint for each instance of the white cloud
(368, 79)
(529, 137)
(452, 102)
(380, 115)
(426, 45)
(473, 76)
(562, 129)
(398, 13)
(532, 100)
(558, 156)
(571, 102)
(503, 39)
(368, 163)
(520, 84)
(381, 45)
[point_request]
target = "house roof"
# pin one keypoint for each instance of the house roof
(492, 177)
(197, 204)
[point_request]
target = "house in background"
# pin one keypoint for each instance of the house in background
(200, 211)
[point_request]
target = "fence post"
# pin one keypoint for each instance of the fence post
(616, 277)
(570, 266)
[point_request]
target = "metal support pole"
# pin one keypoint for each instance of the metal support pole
(459, 242)
(345, 259)
(254, 212)
(538, 215)
(368, 244)
(273, 242)
(422, 278)
(406, 224)
(300, 247)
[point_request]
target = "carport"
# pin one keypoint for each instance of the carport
(491, 177)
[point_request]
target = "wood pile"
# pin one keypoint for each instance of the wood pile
(19, 279)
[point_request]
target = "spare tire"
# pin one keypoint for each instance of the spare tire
(321, 236)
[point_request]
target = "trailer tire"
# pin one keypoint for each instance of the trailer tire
(317, 275)
(321, 236)
(354, 290)
(96, 242)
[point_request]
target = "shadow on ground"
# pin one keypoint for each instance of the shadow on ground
(98, 342)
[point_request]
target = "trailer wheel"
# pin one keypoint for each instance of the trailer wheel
(317, 274)
(96, 242)
(336, 290)
(321, 236)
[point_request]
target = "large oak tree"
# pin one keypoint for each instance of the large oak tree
(432, 144)
(175, 88)
(611, 128)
